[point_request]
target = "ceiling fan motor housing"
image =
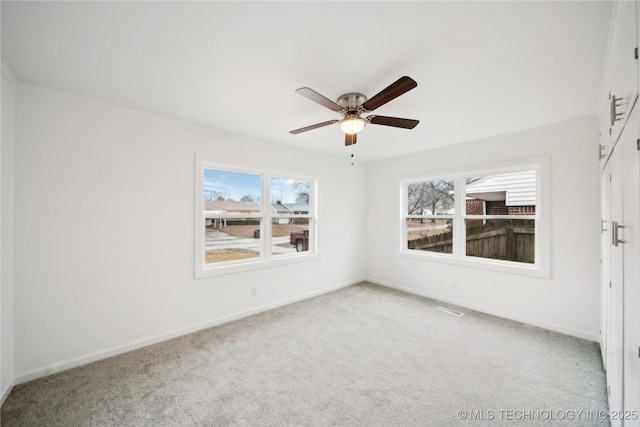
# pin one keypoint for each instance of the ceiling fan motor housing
(351, 101)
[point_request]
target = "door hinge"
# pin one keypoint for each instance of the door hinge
(615, 115)
(608, 390)
(609, 284)
(635, 53)
(609, 131)
(638, 143)
(602, 153)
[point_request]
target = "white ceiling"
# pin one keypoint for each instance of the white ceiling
(483, 68)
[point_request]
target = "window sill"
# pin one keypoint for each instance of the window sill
(212, 270)
(532, 270)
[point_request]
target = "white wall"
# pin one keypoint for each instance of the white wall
(567, 302)
(104, 231)
(104, 220)
(7, 123)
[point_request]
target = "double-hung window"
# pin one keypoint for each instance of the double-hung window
(494, 217)
(250, 218)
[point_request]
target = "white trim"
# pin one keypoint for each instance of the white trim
(6, 70)
(114, 351)
(7, 391)
(488, 310)
(541, 267)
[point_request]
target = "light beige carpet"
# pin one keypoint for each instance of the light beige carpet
(360, 356)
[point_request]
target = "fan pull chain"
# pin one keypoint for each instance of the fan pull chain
(352, 159)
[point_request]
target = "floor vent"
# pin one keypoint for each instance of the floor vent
(448, 310)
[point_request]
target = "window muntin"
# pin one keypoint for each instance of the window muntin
(514, 199)
(245, 217)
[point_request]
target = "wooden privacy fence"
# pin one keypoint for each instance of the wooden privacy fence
(442, 243)
(501, 240)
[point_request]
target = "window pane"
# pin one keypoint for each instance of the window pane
(430, 198)
(231, 239)
(231, 193)
(432, 235)
(289, 235)
(502, 194)
(291, 195)
(227, 195)
(511, 240)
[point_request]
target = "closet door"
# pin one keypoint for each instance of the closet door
(605, 257)
(615, 330)
(631, 236)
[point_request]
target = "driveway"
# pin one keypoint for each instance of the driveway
(216, 239)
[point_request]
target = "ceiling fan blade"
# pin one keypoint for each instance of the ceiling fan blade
(316, 97)
(400, 86)
(316, 126)
(393, 121)
(350, 139)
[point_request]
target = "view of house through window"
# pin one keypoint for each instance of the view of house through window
(491, 216)
(500, 216)
(254, 215)
(232, 214)
(290, 215)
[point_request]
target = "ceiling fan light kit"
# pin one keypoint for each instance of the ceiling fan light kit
(352, 124)
(352, 105)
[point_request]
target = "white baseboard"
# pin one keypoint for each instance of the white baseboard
(488, 310)
(114, 351)
(5, 392)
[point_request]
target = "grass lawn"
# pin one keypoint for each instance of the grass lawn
(219, 255)
(246, 231)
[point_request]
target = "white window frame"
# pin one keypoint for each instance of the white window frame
(540, 268)
(266, 258)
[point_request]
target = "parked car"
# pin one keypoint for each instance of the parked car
(300, 239)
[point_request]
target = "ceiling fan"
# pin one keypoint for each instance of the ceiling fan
(353, 105)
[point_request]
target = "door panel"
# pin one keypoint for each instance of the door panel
(615, 318)
(605, 256)
(631, 272)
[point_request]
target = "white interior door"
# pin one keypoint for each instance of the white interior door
(605, 257)
(631, 236)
